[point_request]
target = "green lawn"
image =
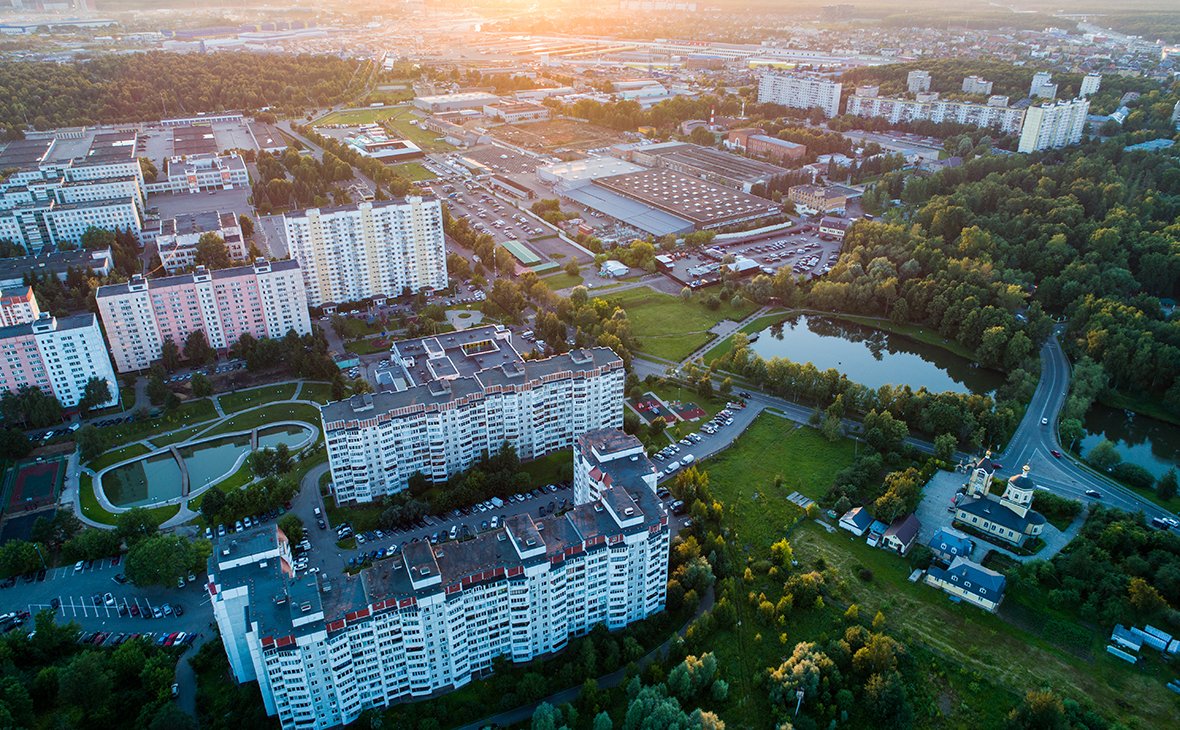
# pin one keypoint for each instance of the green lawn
(399, 123)
(265, 415)
(562, 281)
(668, 326)
(117, 455)
(549, 469)
(414, 171)
(318, 392)
(189, 413)
(357, 116)
(243, 399)
(723, 348)
(366, 347)
(233, 482)
(176, 437)
(127, 396)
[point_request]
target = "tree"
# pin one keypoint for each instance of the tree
(1072, 431)
(170, 356)
(160, 560)
(246, 223)
(96, 239)
(1040, 710)
(14, 444)
(136, 524)
(571, 267)
(96, 392)
(1144, 597)
(944, 447)
(212, 504)
(292, 527)
(1165, 488)
(92, 442)
(18, 557)
(197, 350)
(212, 252)
(1103, 456)
(202, 387)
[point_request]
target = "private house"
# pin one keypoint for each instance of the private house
(856, 521)
(901, 535)
(1009, 518)
(968, 581)
(948, 544)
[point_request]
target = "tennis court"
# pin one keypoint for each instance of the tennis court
(32, 485)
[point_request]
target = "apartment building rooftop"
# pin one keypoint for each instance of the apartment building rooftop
(25, 154)
(49, 323)
(453, 354)
(58, 263)
(376, 204)
(184, 279)
(431, 392)
(189, 223)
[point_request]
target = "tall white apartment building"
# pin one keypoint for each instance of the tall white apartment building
(917, 82)
(433, 618)
(380, 248)
(1042, 86)
(1090, 84)
(799, 91)
(59, 355)
(1050, 126)
(265, 299)
(976, 85)
(59, 187)
(999, 116)
(605, 456)
(457, 397)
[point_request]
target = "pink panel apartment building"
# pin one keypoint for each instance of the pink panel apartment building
(265, 299)
(59, 355)
(18, 306)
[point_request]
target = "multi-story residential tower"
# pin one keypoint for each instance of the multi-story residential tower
(382, 248)
(59, 355)
(1050, 126)
(1090, 84)
(800, 92)
(18, 306)
(432, 618)
(265, 299)
(976, 85)
(607, 455)
(917, 82)
(1042, 86)
(456, 397)
(996, 113)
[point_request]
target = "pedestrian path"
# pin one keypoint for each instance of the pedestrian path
(735, 327)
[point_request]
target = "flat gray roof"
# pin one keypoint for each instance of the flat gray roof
(685, 196)
(632, 212)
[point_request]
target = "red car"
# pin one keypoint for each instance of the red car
(1056, 454)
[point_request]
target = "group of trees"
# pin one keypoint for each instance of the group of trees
(266, 494)
(312, 181)
(303, 356)
(271, 461)
(492, 258)
(48, 678)
(395, 184)
(30, 407)
(112, 88)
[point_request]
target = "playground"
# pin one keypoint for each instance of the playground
(32, 485)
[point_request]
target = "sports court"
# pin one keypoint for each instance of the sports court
(33, 484)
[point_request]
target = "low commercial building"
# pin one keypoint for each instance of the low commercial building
(265, 299)
(268, 138)
(431, 619)
(969, 581)
(773, 148)
(452, 398)
(59, 355)
(818, 199)
(455, 102)
(704, 204)
(614, 269)
(856, 520)
(835, 228)
(372, 141)
(200, 173)
(706, 163)
(516, 112)
(177, 240)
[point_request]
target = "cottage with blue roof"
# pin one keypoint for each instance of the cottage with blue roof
(948, 544)
(969, 581)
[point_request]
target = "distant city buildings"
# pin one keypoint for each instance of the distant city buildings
(451, 399)
(430, 619)
(799, 91)
(1051, 126)
(381, 248)
(59, 355)
(1090, 84)
(265, 299)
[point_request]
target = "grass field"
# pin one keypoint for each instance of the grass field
(318, 392)
(674, 391)
(549, 469)
(562, 281)
(668, 326)
(117, 455)
(189, 413)
(366, 347)
(175, 437)
(399, 122)
(265, 415)
(357, 116)
(414, 171)
(243, 399)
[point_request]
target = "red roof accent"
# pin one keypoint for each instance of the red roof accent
(453, 589)
(336, 625)
(285, 641)
(515, 571)
(615, 539)
(596, 474)
(268, 641)
(407, 602)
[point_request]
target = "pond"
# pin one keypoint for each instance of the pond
(872, 357)
(1153, 445)
(156, 477)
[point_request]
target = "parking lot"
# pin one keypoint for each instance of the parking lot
(170, 205)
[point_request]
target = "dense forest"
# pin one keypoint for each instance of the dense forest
(121, 88)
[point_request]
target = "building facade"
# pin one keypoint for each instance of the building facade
(59, 355)
(977, 85)
(380, 248)
(1052, 126)
(817, 198)
(800, 92)
(442, 425)
(18, 306)
(994, 115)
(201, 172)
(1010, 517)
(1090, 84)
(265, 299)
(773, 148)
(1042, 86)
(917, 82)
(431, 619)
(178, 238)
(969, 581)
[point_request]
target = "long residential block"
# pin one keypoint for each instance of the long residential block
(265, 299)
(433, 618)
(446, 421)
(800, 91)
(996, 113)
(59, 355)
(380, 248)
